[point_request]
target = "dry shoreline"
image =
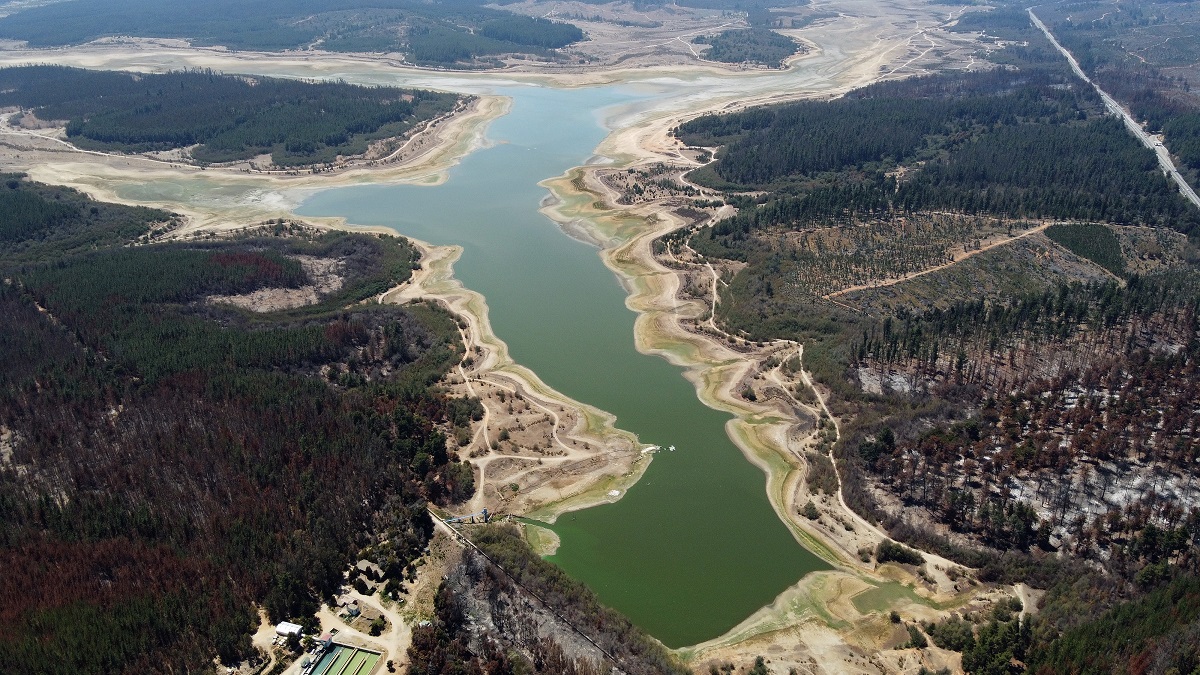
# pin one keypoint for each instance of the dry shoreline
(815, 620)
(590, 456)
(804, 616)
(102, 175)
(135, 53)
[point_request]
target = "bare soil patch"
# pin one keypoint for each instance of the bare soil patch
(324, 273)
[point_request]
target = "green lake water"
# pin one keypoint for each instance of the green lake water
(694, 547)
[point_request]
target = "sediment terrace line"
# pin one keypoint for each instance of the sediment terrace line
(1164, 155)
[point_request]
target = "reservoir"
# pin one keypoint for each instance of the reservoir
(693, 548)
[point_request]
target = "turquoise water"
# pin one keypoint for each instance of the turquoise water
(695, 547)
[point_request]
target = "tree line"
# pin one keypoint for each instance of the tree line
(890, 121)
(1008, 143)
(41, 221)
(227, 117)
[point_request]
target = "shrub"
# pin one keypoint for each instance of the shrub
(916, 638)
(953, 634)
(890, 551)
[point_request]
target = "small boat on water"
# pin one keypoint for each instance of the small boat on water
(672, 448)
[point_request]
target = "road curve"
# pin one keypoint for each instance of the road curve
(1164, 157)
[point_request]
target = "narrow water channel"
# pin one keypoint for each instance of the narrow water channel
(692, 549)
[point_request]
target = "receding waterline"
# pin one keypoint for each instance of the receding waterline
(695, 547)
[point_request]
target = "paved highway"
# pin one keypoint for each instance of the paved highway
(1152, 142)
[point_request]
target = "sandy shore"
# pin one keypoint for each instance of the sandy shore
(142, 55)
(534, 446)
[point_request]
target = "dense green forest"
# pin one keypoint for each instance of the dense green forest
(226, 117)
(40, 222)
(1182, 135)
(1009, 142)
(167, 462)
(753, 45)
(273, 25)
(431, 42)
(893, 122)
(509, 575)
